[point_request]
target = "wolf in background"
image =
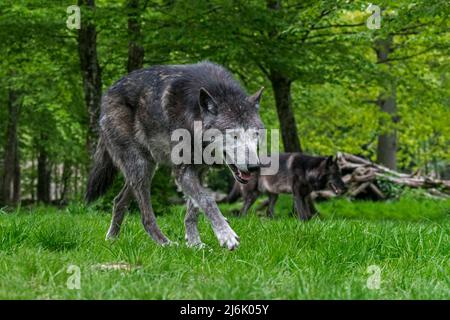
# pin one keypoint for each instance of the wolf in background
(298, 174)
(138, 115)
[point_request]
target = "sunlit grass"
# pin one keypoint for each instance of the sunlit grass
(326, 258)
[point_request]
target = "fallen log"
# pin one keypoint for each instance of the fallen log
(365, 178)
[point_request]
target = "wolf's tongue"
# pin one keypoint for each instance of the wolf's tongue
(244, 175)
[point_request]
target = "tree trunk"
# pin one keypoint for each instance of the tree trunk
(135, 49)
(54, 186)
(91, 72)
(282, 90)
(33, 179)
(11, 174)
(65, 183)
(76, 183)
(387, 139)
(44, 172)
(281, 85)
(274, 4)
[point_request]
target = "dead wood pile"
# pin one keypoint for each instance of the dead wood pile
(365, 179)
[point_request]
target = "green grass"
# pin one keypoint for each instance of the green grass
(326, 258)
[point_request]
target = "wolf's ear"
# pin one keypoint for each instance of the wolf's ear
(256, 97)
(207, 102)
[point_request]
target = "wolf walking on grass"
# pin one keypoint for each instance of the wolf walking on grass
(139, 114)
(299, 174)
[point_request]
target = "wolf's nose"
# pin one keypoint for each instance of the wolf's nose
(253, 167)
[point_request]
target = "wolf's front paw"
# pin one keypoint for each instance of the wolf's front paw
(228, 238)
(170, 243)
(112, 235)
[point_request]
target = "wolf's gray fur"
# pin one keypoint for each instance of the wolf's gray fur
(138, 115)
(298, 174)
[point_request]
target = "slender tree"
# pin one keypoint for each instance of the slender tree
(43, 170)
(90, 69)
(135, 48)
(11, 168)
(281, 85)
(387, 102)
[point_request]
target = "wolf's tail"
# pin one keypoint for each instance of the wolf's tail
(102, 174)
(234, 193)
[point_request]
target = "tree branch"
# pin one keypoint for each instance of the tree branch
(331, 35)
(408, 56)
(263, 69)
(339, 26)
(323, 13)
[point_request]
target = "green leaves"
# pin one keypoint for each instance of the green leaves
(325, 48)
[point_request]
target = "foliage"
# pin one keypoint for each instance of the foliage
(219, 180)
(325, 49)
(390, 189)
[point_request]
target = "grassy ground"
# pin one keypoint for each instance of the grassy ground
(327, 258)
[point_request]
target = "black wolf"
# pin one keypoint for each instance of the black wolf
(138, 115)
(298, 174)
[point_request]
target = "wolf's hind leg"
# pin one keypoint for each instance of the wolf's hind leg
(312, 207)
(135, 162)
(141, 190)
(121, 202)
(138, 170)
(190, 222)
(300, 191)
(301, 208)
(188, 179)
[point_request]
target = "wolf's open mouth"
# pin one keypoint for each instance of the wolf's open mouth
(333, 187)
(240, 176)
